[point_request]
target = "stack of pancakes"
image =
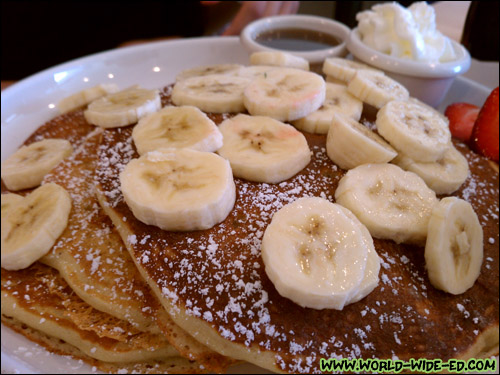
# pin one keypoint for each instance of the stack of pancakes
(122, 295)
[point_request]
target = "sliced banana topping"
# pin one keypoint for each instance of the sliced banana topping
(392, 203)
(179, 189)
(285, 94)
(200, 71)
(337, 100)
(315, 254)
(215, 93)
(454, 247)
(177, 127)
(430, 108)
(350, 144)
(255, 71)
(27, 167)
(371, 278)
(330, 79)
(86, 96)
(415, 130)
(32, 224)
(262, 149)
(123, 108)
(375, 88)
(10, 200)
(276, 58)
(343, 70)
(444, 176)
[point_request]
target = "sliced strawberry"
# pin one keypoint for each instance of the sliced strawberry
(462, 117)
(484, 138)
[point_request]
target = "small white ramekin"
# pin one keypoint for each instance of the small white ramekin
(428, 82)
(325, 25)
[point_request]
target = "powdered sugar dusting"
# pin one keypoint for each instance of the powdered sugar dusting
(218, 276)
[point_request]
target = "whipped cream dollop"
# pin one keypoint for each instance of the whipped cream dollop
(405, 32)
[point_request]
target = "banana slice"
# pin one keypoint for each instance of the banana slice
(371, 278)
(392, 203)
(350, 144)
(414, 130)
(86, 96)
(454, 247)
(342, 69)
(262, 149)
(177, 127)
(8, 201)
(430, 108)
(285, 94)
(444, 176)
(229, 69)
(255, 71)
(276, 58)
(331, 79)
(26, 167)
(315, 254)
(123, 108)
(215, 93)
(337, 100)
(31, 225)
(179, 189)
(375, 88)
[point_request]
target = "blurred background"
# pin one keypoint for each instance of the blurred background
(343, 11)
(39, 34)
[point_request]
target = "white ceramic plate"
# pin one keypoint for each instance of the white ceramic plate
(30, 102)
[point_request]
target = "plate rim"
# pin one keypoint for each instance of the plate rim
(18, 85)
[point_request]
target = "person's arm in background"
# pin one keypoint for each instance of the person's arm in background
(6, 84)
(39, 26)
(252, 10)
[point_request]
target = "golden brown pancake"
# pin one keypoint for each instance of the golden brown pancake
(173, 365)
(214, 285)
(66, 325)
(90, 254)
(40, 298)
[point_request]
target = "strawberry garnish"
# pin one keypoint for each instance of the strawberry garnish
(462, 117)
(484, 139)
